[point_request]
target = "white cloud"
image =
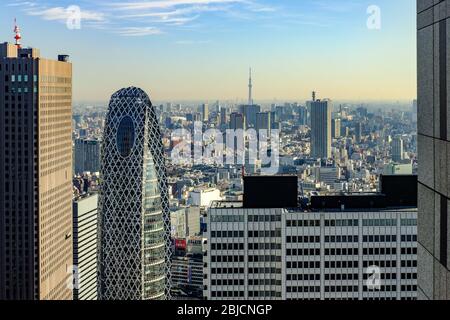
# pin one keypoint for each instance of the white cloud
(165, 4)
(138, 31)
(62, 14)
(139, 17)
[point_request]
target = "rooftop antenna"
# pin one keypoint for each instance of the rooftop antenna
(17, 37)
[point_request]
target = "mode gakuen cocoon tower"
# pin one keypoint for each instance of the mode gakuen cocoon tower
(134, 220)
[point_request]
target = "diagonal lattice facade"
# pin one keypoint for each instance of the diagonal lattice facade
(134, 224)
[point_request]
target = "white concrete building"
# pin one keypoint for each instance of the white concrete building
(203, 197)
(266, 254)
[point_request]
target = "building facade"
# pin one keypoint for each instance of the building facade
(433, 148)
(321, 129)
(135, 217)
(85, 247)
(397, 149)
(281, 254)
(87, 156)
(35, 175)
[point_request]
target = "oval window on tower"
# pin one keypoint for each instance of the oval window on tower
(125, 136)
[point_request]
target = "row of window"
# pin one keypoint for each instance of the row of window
(264, 234)
(267, 218)
(265, 258)
(227, 294)
(303, 239)
(264, 282)
(227, 282)
(303, 277)
(390, 264)
(341, 239)
(342, 223)
(264, 294)
(382, 288)
(15, 90)
(341, 252)
(303, 252)
(227, 258)
(19, 78)
(227, 246)
(341, 264)
(302, 264)
(303, 223)
(227, 234)
(227, 270)
(309, 289)
(264, 270)
(264, 246)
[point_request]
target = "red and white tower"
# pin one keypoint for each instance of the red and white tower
(17, 37)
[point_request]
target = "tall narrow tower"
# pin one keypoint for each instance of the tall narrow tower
(134, 219)
(250, 88)
(35, 174)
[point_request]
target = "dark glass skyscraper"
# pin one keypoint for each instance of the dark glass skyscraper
(134, 219)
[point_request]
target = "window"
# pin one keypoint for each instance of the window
(125, 136)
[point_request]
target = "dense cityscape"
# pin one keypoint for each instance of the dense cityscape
(245, 199)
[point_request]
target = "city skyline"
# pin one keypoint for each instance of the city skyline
(288, 52)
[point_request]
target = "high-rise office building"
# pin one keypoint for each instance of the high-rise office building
(263, 121)
(135, 216)
(85, 247)
(250, 112)
(358, 131)
(302, 116)
(321, 129)
(336, 128)
(237, 121)
(433, 145)
(397, 149)
(223, 116)
(35, 175)
(205, 112)
(87, 155)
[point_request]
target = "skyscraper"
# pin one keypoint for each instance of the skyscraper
(35, 175)
(336, 128)
(358, 131)
(321, 129)
(433, 146)
(205, 112)
(250, 112)
(237, 121)
(302, 115)
(135, 218)
(87, 155)
(263, 121)
(223, 116)
(397, 149)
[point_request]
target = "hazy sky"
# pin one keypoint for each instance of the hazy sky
(202, 49)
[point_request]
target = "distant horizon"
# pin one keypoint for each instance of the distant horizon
(242, 102)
